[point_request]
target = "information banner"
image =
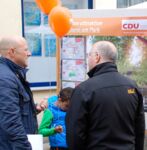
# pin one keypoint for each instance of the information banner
(112, 26)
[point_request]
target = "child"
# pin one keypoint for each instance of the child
(53, 121)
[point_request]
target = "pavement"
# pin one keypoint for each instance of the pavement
(145, 143)
(47, 147)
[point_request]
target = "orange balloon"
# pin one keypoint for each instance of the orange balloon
(60, 20)
(47, 5)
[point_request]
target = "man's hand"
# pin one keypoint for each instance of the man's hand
(41, 106)
(58, 129)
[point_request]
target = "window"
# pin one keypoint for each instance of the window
(74, 4)
(127, 3)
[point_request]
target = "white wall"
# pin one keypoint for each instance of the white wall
(105, 4)
(10, 17)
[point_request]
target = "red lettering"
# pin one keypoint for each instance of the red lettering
(130, 26)
(136, 26)
(125, 26)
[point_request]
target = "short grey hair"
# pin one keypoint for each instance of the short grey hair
(8, 42)
(106, 50)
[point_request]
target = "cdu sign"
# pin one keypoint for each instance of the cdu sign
(138, 24)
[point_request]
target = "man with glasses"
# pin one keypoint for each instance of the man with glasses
(106, 111)
(17, 108)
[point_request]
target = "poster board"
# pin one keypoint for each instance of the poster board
(73, 61)
(42, 44)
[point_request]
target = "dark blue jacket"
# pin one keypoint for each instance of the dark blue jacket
(17, 109)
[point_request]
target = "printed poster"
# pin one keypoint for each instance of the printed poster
(34, 43)
(73, 48)
(73, 70)
(32, 14)
(50, 45)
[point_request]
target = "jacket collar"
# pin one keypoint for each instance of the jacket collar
(102, 68)
(13, 66)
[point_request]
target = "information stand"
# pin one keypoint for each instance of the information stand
(127, 29)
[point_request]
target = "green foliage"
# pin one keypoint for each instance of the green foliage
(140, 75)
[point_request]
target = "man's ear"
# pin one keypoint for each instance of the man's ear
(97, 58)
(11, 51)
